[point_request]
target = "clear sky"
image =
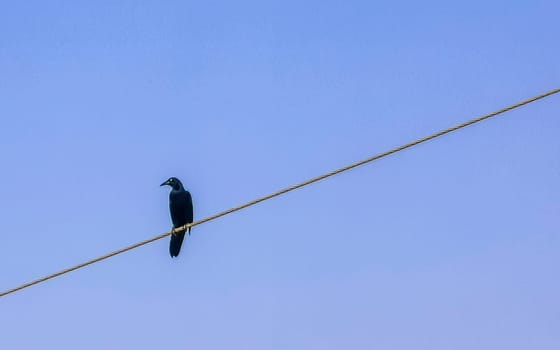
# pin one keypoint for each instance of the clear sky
(450, 245)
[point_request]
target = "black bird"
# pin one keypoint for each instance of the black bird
(181, 209)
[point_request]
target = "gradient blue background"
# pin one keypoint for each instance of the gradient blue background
(450, 245)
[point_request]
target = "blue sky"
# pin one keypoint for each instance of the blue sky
(450, 245)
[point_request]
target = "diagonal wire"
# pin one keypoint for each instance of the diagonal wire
(285, 190)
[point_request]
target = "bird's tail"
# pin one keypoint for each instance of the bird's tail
(175, 243)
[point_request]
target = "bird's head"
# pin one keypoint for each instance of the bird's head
(174, 183)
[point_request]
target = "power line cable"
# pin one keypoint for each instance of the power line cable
(285, 190)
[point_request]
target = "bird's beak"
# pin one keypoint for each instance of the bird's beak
(165, 183)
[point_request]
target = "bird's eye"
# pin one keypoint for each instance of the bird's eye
(170, 180)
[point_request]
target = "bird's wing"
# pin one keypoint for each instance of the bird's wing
(190, 208)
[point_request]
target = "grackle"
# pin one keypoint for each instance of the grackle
(181, 209)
